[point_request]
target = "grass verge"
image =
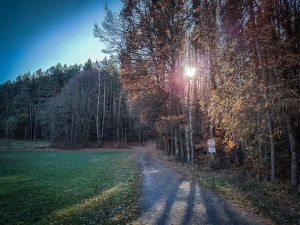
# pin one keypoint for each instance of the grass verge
(277, 201)
(68, 187)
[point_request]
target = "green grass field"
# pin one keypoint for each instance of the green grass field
(68, 187)
(23, 144)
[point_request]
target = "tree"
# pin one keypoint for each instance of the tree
(89, 65)
(254, 44)
(110, 32)
(9, 126)
(154, 44)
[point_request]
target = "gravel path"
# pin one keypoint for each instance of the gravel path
(168, 199)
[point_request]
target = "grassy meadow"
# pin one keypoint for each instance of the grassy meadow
(68, 187)
(22, 144)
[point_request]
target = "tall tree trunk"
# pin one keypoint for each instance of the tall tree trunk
(272, 147)
(294, 157)
(97, 113)
(269, 121)
(35, 122)
(188, 127)
(119, 116)
(187, 145)
(52, 116)
(191, 116)
(181, 146)
(176, 143)
(191, 136)
(104, 112)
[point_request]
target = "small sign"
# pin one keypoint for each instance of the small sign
(212, 149)
(211, 143)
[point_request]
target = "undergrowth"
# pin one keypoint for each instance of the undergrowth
(278, 201)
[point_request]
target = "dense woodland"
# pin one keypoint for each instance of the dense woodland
(68, 105)
(244, 93)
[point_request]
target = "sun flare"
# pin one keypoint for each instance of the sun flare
(190, 71)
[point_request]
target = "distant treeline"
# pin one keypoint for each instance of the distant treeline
(69, 105)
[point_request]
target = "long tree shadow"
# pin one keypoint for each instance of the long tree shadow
(164, 194)
(191, 204)
(159, 182)
(213, 205)
(163, 219)
(218, 211)
(167, 199)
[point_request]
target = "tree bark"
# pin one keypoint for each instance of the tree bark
(97, 113)
(294, 156)
(191, 136)
(187, 144)
(181, 146)
(272, 147)
(104, 111)
(176, 143)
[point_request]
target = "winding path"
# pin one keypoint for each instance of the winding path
(168, 199)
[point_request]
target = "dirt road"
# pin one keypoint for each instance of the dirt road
(168, 199)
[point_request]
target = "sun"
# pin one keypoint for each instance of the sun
(190, 71)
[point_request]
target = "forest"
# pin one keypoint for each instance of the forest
(182, 72)
(71, 106)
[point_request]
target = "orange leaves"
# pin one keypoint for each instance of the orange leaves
(229, 146)
(165, 124)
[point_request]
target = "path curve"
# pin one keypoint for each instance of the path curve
(168, 199)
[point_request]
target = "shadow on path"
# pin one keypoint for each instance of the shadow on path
(168, 199)
(191, 203)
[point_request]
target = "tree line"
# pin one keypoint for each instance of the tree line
(245, 91)
(69, 105)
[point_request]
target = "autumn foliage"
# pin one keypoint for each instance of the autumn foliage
(245, 92)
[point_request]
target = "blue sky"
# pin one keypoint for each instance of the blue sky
(38, 34)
